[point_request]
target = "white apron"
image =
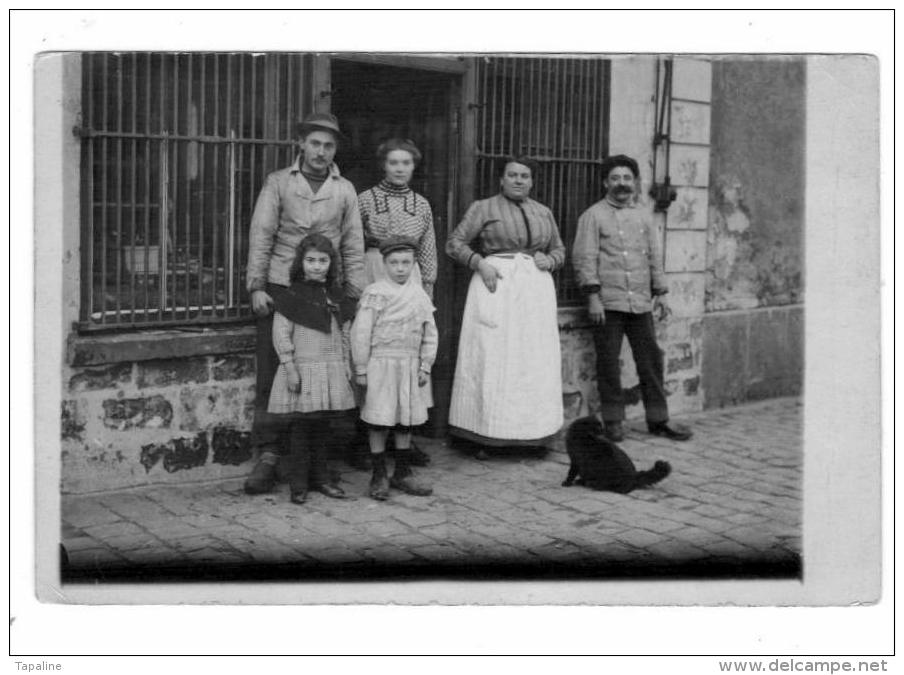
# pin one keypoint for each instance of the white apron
(508, 378)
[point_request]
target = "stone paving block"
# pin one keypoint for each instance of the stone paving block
(411, 540)
(713, 511)
(745, 518)
(676, 550)
(418, 519)
(268, 550)
(640, 538)
(658, 525)
(516, 517)
(80, 543)
(86, 511)
(729, 548)
(585, 505)
(674, 502)
(696, 536)
(195, 543)
(362, 514)
(104, 532)
(220, 556)
(387, 528)
(130, 542)
(389, 554)
(129, 504)
(339, 556)
(439, 553)
(156, 555)
(94, 557)
(559, 551)
(172, 528)
(753, 537)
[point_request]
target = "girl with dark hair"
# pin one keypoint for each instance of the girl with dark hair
(313, 380)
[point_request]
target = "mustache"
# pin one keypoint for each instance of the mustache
(621, 189)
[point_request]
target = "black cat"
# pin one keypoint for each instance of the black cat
(600, 464)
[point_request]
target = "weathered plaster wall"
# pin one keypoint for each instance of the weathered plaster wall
(753, 329)
(755, 253)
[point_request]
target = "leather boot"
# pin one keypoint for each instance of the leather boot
(417, 457)
(263, 476)
(379, 482)
(403, 479)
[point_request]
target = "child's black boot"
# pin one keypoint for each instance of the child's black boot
(379, 483)
(404, 480)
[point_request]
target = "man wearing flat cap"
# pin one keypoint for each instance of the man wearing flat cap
(308, 197)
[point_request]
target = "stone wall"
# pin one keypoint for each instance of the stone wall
(161, 420)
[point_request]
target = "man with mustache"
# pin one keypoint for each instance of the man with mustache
(618, 261)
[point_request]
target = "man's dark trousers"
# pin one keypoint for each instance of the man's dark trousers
(269, 432)
(641, 335)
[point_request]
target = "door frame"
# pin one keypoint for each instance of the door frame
(452, 285)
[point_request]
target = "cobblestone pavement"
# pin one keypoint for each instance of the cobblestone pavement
(732, 506)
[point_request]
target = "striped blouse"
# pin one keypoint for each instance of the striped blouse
(503, 226)
(388, 210)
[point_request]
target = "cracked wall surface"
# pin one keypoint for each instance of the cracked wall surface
(756, 209)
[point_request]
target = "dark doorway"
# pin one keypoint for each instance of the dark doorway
(378, 102)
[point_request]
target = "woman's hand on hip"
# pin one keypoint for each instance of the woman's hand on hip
(489, 274)
(261, 302)
(542, 261)
(361, 380)
(595, 309)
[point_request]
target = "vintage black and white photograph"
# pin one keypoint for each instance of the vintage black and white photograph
(401, 316)
(370, 315)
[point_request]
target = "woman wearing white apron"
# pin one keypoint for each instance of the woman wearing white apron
(392, 209)
(508, 385)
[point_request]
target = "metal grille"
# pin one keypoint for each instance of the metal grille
(556, 111)
(175, 149)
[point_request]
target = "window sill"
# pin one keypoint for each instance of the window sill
(93, 350)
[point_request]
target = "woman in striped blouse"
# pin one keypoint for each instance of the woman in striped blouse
(508, 388)
(391, 209)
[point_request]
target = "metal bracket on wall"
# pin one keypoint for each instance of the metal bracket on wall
(662, 191)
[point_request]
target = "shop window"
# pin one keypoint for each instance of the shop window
(175, 148)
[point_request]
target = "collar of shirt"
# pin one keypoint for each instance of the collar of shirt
(516, 202)
(393, 189)
(616, 205)
(333, 171)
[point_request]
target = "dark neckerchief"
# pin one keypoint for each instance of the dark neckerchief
(314, 180)
(311, 304)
